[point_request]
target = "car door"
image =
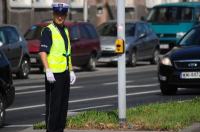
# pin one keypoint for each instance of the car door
(141, 49)
(86, 43)
(93, 38)
(12, 48)
(5, 47)
(75, 44)
(149, 40)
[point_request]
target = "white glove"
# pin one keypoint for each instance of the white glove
(72, 77)
(50, 76)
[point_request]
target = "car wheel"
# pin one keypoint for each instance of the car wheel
(24, 69)
(2, 111)
(91, 63)
(168, 89)
(132, 59)
(155, 58)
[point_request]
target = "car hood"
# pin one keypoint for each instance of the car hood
(185, 53)
(107, 41)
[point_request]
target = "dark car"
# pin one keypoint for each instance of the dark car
(141, 42)
(85, 44)
(7, 90)
(15, 48)
(181, 66)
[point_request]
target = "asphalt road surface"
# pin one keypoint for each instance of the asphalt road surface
(92, 90)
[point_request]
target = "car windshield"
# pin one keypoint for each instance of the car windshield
(170, 14)
(110, 29)
(33, 33)
(191, 38)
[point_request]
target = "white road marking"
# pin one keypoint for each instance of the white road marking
(139, 86)
(112, 96)
(84, 100)
(92, 107)
(78, 87)
(29, 92)
(19, 88)
(25, 107)
(39, 91)
(112, 83)
(140, 93)
(23, 125)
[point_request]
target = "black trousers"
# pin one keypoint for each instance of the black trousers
(56, 99)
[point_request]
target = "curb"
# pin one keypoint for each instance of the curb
(193, 128)
(68, 130)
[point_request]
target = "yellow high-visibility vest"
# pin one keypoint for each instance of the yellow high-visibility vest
(58, 58)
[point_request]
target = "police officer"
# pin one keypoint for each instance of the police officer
(55, 53)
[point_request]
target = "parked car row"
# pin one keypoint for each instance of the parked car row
(141, 42)
(88, 48)
(85, 44)
(176, 68)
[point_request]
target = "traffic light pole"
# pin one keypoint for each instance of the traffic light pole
(121, 64)
(85, 12)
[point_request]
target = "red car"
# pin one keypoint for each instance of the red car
(85, 44)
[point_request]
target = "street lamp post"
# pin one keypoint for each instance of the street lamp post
(32, 12)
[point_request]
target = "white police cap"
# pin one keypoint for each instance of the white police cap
(60, 7)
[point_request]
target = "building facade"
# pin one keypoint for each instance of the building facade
(33, 11)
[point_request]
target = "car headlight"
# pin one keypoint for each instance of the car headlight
(127, 46)
(180, 35)
(166, 61)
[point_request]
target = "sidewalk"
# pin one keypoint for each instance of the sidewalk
(31, 130)
(193, 128)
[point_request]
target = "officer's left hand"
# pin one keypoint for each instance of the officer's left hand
(72, 77)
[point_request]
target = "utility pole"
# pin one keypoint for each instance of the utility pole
(121, 63)
(8, 12)
(32, 12)
(85, 10)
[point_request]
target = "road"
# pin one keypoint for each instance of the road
(93, 90)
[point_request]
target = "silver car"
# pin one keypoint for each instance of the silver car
(141, 42)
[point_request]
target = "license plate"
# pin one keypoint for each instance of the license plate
(104, 60)
(110, 59)
(164, 46)
(190, 75)
(33, 60)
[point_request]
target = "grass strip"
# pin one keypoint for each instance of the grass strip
(173, 115)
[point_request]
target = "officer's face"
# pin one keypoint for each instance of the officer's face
(59, 18)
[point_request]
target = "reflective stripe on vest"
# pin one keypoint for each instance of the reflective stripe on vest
(56, 60)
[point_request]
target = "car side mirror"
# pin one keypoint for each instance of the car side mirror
(142, 35)
(20, 39)
(1, 43)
